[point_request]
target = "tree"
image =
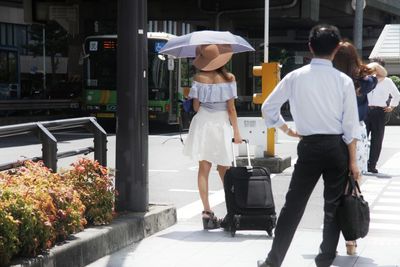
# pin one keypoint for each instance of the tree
(56, 44)
(396, 81)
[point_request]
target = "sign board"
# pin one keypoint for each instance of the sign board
(253, 129)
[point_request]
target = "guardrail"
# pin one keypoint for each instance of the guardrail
(38, 104)
(49, 142)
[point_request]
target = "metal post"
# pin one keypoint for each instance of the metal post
(266, 30)
(100, 142)
(44, 59)
(270, 148)
(358, 26)
(132, 108)
(49, 147)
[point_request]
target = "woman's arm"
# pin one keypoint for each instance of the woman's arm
(233, 119)
(367, 84)
(380, 71)
(196, 104)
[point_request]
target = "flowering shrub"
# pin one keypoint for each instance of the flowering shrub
(95, 187)
(39, 208)
(8, 235)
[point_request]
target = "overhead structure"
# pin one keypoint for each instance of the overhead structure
(388, 48)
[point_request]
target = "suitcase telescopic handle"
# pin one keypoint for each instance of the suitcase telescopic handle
(247, 150)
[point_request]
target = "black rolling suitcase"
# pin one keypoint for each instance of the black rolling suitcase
(248, 196)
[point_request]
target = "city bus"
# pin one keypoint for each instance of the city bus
(100, 71)
(9, 74)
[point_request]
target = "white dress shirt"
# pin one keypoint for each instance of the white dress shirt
(322, 101)
(380, 94)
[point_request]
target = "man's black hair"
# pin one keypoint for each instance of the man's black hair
(378, 60)
(324, 39)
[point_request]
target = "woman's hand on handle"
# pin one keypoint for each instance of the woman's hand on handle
(237, 138)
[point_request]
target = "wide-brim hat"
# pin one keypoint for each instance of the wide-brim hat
(212, 56)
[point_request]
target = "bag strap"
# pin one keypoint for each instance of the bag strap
(353, 186)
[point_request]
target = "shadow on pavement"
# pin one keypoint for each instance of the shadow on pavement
(346, 261)
(213, 236)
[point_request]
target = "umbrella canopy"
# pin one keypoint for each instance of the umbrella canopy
(185, 46)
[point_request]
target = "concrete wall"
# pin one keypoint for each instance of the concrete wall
(393, 68)
(11, 15)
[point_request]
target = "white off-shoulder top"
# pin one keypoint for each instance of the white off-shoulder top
(213, 96)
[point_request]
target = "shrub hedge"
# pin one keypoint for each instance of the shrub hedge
(396, 80)
(39, 208)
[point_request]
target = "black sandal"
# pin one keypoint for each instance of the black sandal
(210, 221)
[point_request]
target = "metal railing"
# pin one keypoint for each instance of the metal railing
(49, 143)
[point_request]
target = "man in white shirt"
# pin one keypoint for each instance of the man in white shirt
(381, 100)
(324, 108)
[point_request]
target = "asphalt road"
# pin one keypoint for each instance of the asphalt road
(173, 177)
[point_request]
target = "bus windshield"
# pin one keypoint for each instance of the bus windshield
(159, 75)
(102, 64)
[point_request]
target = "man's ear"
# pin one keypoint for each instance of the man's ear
(310, 48)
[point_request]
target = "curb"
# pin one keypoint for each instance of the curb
(96, 242)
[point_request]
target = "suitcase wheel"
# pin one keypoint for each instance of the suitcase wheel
(269, 232)
(235, 224)
(233, 232)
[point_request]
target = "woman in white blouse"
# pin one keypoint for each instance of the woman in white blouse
(210, 135)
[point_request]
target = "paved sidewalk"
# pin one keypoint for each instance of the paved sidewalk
(186, 244)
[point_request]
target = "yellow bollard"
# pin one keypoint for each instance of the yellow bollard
(270, 76)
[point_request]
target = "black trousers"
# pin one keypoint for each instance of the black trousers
(375, 124)
(317, 155)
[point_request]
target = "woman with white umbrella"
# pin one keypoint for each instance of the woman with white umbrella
(213, 92)
(210, 135)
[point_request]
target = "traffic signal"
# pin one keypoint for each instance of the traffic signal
(270, 76)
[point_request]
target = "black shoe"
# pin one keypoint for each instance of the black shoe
(210, 221)
(372, 170)
(262, 263)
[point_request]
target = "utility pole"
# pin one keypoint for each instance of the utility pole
(358, 25)
(132, 111)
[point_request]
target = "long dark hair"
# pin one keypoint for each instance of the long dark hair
(347, 61)
(224, 72)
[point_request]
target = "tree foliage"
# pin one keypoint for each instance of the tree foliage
(396, 80)
(56, 43)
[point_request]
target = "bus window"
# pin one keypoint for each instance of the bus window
(102, 71)
(159, 74)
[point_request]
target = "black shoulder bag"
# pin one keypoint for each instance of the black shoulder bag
(353, 212)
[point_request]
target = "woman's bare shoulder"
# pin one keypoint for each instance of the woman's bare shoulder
(204, 77)
(199, 77)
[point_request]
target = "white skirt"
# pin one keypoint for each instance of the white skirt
(362, 149)
(210, 136)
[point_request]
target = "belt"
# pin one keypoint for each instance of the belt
(321, 137)
(375, 107)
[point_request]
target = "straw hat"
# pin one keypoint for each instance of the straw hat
(213, 56)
